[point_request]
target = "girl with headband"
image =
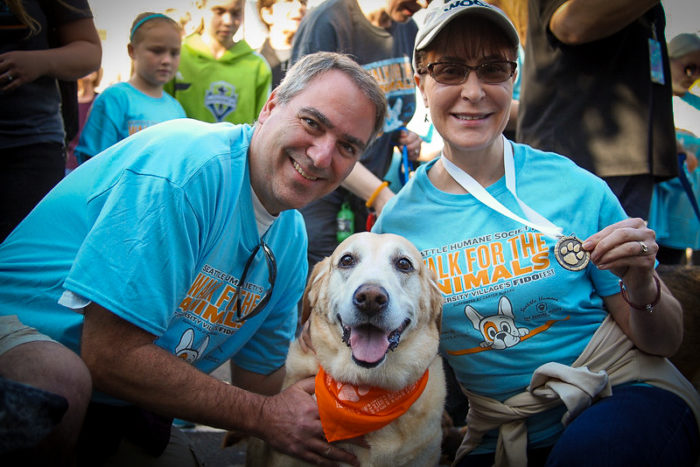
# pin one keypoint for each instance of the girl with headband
(125, 108)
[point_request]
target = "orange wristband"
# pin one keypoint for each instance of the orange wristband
(372, 198)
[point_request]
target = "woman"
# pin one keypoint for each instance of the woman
(40, 43)
(528, 305)
(281, 18)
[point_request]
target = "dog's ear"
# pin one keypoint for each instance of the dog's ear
(436, 298)
(311, 292)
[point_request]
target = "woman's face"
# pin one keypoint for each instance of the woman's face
(469, 116)
(684, 71)
(222, 20)
(285, 15)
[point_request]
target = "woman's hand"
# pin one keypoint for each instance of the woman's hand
(628, 249)
(19, 67)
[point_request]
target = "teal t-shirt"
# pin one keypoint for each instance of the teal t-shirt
(119, 111)
(509, 306)
(157, 229)
(671, 213)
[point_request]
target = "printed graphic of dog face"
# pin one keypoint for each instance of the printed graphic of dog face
(184, 349)
(499, 330)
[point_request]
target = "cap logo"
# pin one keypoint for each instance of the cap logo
(464, 3)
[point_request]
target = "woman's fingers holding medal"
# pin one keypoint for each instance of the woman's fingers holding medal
(625, 244)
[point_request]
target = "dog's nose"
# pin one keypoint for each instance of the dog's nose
(370, 299)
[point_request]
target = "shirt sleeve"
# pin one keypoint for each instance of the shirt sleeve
(102, 125)
(142, 273)
(316, 36)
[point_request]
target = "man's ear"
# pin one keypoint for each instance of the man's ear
(130, 50)
(270, 104)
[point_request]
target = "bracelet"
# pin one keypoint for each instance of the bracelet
(372, 198)
(649, 306)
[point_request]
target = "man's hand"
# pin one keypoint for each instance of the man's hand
(293, 426)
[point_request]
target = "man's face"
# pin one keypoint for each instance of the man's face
(303, 149)
(402, 10)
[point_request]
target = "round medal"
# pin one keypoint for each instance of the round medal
(570, 254)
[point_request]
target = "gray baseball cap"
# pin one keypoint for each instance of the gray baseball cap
(441, 12)
(683, 44)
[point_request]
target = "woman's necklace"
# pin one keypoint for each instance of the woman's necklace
(568, 250)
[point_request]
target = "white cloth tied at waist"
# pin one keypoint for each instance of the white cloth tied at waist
(609, 359)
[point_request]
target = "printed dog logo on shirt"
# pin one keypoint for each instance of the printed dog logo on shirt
(184, 349)
(221, 99)
(499, 330)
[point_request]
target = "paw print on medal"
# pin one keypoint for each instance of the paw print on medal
(570, 254)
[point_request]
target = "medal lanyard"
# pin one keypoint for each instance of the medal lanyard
(534, 219)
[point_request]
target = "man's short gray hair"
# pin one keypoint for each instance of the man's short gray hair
(311, 66)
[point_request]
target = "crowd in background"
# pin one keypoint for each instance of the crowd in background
(222, 61)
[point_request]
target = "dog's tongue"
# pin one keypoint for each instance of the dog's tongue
(368, 343)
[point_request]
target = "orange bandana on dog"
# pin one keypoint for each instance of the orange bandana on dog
(348, 411)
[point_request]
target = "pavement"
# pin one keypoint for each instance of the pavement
(207, 440)
(207, 446)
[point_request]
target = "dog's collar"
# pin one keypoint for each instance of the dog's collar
(348, 411)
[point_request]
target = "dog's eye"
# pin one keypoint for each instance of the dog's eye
(346, 261)
(404, 265)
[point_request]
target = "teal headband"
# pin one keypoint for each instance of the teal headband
(143, 20)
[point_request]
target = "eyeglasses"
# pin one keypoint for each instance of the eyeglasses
(272, 273)
(691, 70)
(457, 73)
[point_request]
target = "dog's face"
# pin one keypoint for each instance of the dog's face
(375, 311)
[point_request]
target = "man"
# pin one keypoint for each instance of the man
(180, 248)
(588, 92)
(380, 37)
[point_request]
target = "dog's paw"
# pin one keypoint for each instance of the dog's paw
(572, 253)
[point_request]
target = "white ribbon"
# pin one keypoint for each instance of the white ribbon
(534, 219)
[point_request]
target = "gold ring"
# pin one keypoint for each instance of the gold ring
(643, 249)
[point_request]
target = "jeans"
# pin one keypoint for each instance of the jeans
(636, 426)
